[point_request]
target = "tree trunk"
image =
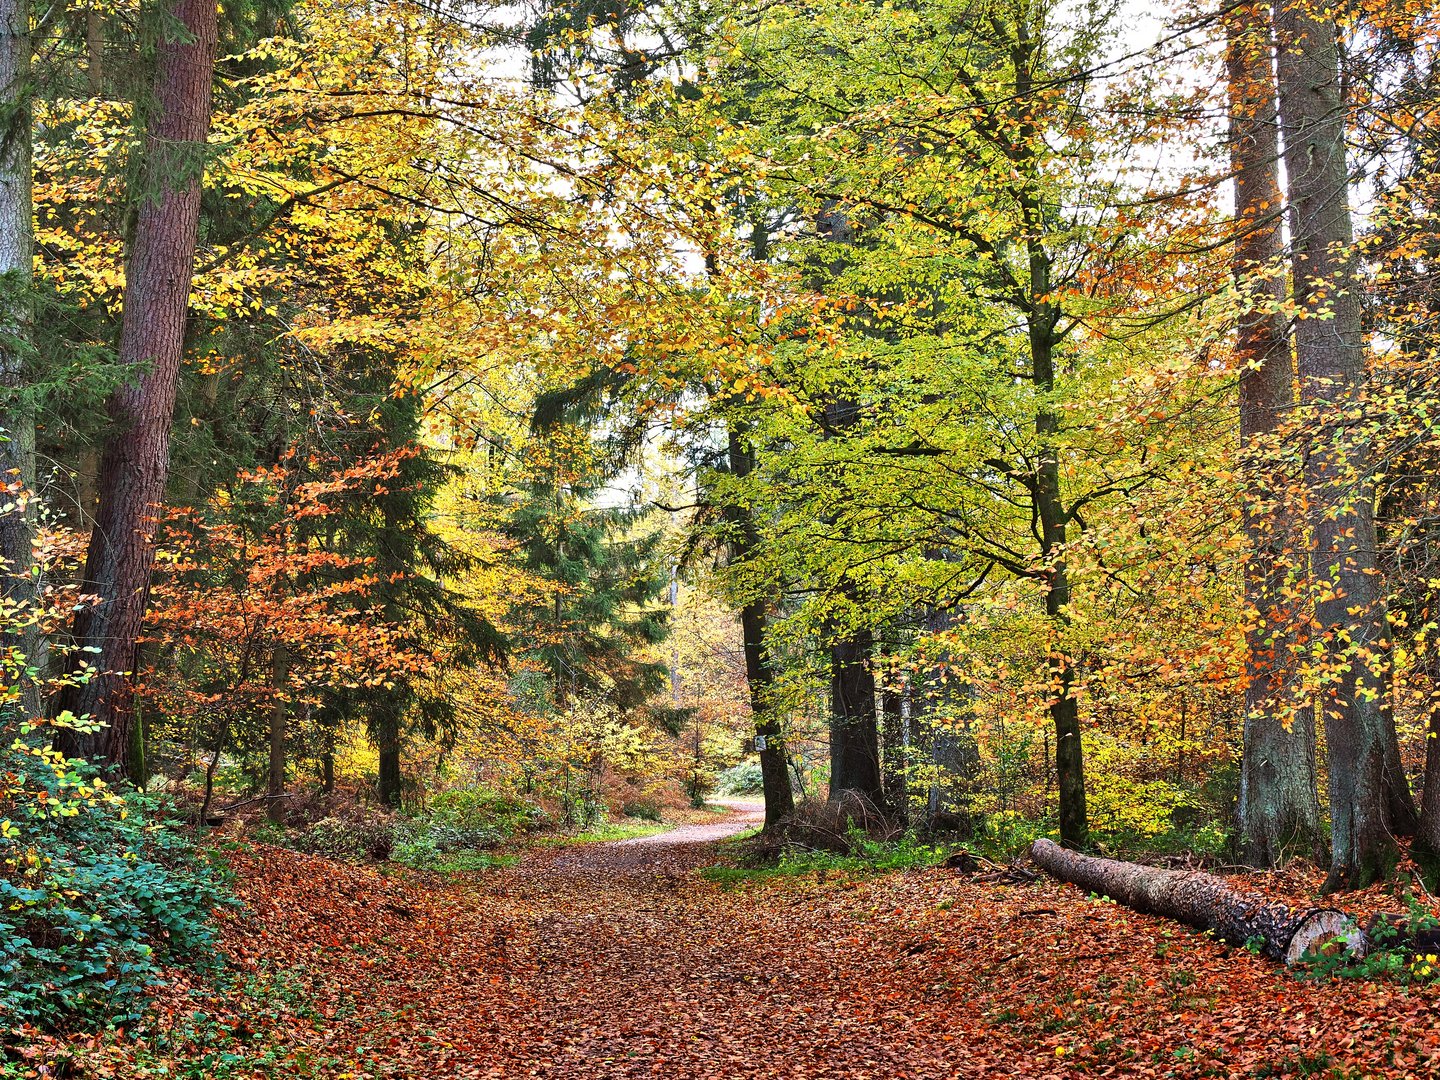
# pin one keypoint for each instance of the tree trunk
(1279, 808)
(387, 744)
(1042, 319)
(136, 461)
(17, 407)
(1203, 901)
(1064, 707)
(949, 740)
(1369, 802)
(759, 675)
(280, 679)
(854, 730)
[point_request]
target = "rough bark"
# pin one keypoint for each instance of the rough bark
(759, 674)
(1204, 901)
(136, 461)
(1279, 806)
(279, 710)
(1369, 798)
(17, 407)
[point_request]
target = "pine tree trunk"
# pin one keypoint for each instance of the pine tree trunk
(136, 461)
(1203, 901)
(1279, 807)
(1369, 802)
(17, 407)
(280, 679)
(759, 675)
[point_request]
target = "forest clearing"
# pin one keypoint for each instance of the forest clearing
(711, 538)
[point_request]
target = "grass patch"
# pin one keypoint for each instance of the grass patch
(606, 831)
(869, 857)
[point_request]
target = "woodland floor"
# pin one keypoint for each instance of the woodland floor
(621, 960)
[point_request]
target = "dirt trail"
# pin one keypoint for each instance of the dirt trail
(621, 960)
(633, 966)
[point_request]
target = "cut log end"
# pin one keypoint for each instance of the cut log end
(1318, 929)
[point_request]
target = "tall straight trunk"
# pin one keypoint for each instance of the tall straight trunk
(279, 709)
(1042, 320)
(1427, 835)
(1279, 808)
(759, 672)
(17, 408)
(1369, 802)
(854, 720)
(854, 726)
(136, 461)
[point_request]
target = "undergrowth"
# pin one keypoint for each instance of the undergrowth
(866, 857)
(98, 891)
(1394, 957)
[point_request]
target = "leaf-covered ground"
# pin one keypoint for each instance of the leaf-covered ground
(620, 960)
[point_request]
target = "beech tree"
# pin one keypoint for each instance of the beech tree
(1370, 800)
(1279, 810)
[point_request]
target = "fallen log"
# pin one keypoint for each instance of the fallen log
(1205, 902)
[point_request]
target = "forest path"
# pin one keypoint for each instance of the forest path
(613, 960)
(632, 965)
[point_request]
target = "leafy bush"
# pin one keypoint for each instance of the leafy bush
(742, 779)
(645, 808)
(1393, 955)
(464, 820)
(96, 892)
(353, 838)
(478, 817)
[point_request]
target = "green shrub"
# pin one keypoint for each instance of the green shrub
(353, 838)
(646, 809)
(478, 817)
(742, 779)
(96, 893)
(461, 821)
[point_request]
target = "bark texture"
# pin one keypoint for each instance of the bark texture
(1279, 806)
(1203, 901)
(17, 407)
(135, 464)
(1369, 797)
